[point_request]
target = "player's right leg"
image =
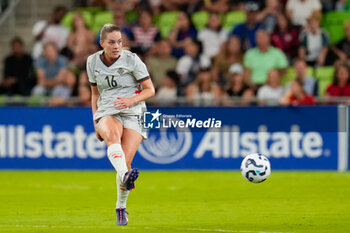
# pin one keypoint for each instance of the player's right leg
(131, 140)
(111, 130)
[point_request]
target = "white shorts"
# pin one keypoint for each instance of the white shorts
(133, 122)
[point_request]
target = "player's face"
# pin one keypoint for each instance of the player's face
(112, 44)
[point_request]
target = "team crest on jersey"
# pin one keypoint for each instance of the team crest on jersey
(120, 71)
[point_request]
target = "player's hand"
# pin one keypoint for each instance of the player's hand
(123, 102)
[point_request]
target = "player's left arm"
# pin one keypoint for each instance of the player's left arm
(147, 92)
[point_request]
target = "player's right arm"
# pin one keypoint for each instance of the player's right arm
(95, 94)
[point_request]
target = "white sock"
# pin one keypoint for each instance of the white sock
(122, 194)
(116, 156)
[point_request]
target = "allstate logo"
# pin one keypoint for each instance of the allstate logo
(163, 146)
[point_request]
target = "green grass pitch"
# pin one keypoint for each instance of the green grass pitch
(191, 201)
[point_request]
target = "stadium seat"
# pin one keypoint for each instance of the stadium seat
(35, 101)
(166, 22)
(101, 19)
(68, 19)
(334, 22)
(325, 77)
(200, 19)
(3, 100)
(17, 100)
(131, 16)
(310, 72)
(232, 18)
(291, 74)
(155, 19)
(92, 9)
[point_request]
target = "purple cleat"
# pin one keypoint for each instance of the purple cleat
(129, 179)
(122, 219)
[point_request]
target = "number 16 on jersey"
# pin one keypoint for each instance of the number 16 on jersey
(111, 81)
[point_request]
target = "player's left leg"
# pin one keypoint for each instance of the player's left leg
(130, 141)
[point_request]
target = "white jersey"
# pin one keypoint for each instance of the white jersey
(120, 79)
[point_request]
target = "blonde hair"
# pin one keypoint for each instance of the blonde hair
(108, 28)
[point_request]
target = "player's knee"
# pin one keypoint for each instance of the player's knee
(112, 136)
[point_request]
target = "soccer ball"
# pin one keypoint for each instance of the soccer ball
(255, 168)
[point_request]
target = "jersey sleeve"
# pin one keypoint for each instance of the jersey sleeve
(140, 70)
(89, 71)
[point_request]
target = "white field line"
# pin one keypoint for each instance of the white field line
(145, 228)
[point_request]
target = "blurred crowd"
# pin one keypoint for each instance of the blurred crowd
(271, 56)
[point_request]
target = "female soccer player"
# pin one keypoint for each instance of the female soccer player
(120, 83)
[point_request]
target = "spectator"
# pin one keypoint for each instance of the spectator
(236, 85)
(189, 65)
(296, 95)
(119, 19)
(81, 41)
(90, 3)
(332, 5)
(167, 90)
(145, 34)
(154, 5)
(259, 61)
(272, 91)
(338, 5)
(83, 78)
(212, 36)
(183, 29)
(52, 75)
(341, 83)
(314, 43)
(219, 6)
(285, 37)
(124, 6)
(342, 48)
(50, 31)
(19, 76)
(84, 94)
(179, 5)
(310, 84)
(299, 11)
(161, 62)
(203, 91)
(246, 31)
(268, 16)
(229, 54)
